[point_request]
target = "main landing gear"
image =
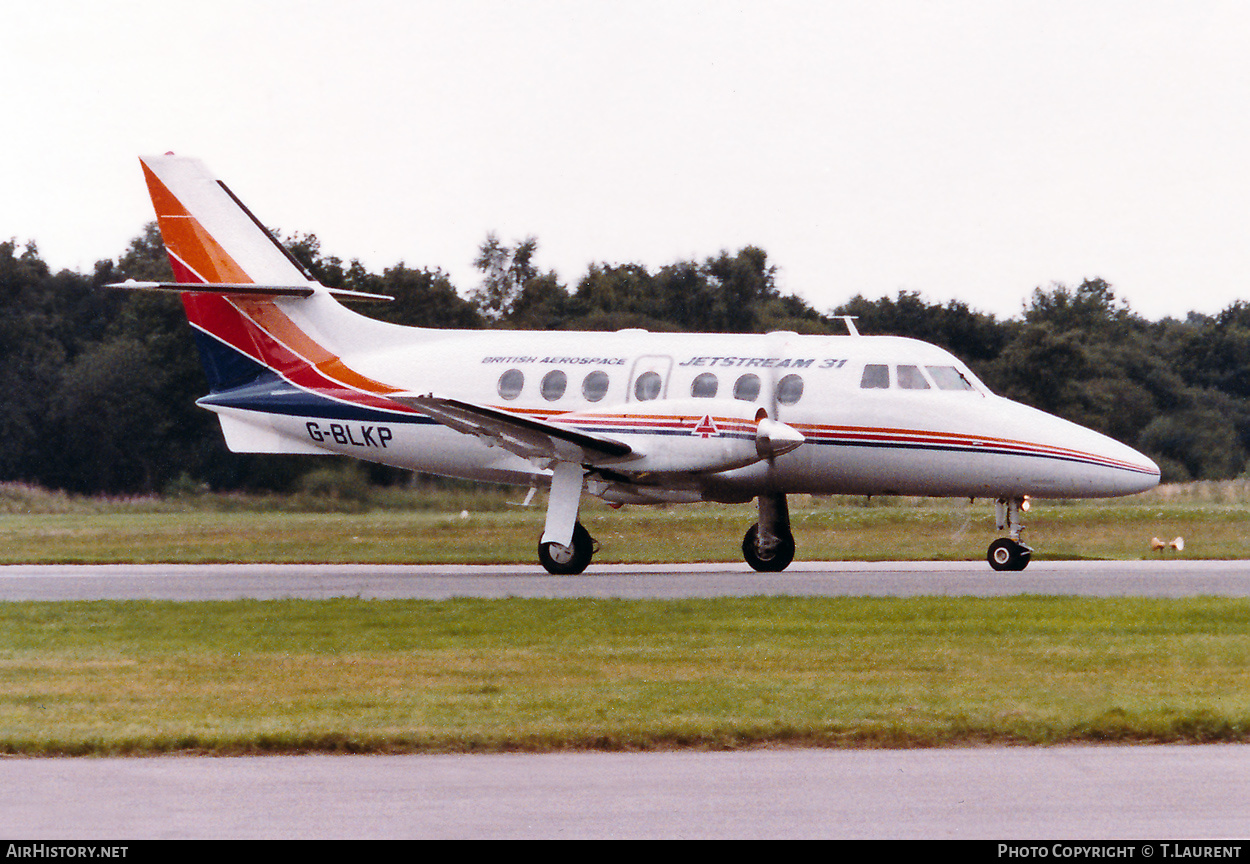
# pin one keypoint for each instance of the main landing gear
(1008, 553)
(561, 560)
(566, 547)
(768, 545)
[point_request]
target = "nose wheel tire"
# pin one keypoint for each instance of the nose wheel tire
(560, 560)
(1007, 554)
(772, 560)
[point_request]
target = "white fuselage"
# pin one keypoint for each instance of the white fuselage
(878, 416)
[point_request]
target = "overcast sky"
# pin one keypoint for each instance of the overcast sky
(966, 150)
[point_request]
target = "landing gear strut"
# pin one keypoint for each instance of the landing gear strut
(1008, 553)
(768, 545)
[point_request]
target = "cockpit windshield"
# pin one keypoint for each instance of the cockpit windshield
(949, 378)
(879, 376)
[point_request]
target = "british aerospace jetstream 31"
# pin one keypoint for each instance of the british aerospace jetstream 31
(630, 417)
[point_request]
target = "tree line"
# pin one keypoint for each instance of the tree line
(97, 387)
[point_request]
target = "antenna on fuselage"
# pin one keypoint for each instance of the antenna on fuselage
(849, 320)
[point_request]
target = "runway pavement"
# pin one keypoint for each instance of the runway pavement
(1056, 793)
(439, 581)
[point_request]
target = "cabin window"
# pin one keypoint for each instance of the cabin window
(949, 378)
(705, 386)
(647, 387)
(595, 387)
(510, 383)
(911, 378)
(876, 377)
(747, 388)
(789, 389)
(554, 383)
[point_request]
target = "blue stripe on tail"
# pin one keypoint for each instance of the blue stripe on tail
(225, 367)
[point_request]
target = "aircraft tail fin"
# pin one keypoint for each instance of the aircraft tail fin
(211, 237)
(251, 302)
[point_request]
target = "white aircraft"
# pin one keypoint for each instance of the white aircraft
(630, 417)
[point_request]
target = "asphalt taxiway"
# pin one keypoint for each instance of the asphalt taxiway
(1055, 793)
(1156, 578)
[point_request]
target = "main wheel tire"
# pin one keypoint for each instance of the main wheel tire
(560, 560)
(775, 560)
(1007, 554)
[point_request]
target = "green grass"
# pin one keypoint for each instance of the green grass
(843, 529)
(354, 675)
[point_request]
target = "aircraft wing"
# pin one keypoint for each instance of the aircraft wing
(523, 436)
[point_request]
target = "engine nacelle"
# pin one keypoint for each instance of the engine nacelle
(699, 436)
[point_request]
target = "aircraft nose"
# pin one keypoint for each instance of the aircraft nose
(1143, 477)
(1115, 468)
(1076, 462)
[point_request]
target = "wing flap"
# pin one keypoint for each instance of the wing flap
(523, 436)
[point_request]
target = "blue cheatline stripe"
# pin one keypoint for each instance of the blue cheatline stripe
(272, 395)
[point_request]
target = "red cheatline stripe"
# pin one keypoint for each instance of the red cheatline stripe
(852, 434)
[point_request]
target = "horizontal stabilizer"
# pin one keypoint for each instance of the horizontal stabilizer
(249, 288)
(523, 436)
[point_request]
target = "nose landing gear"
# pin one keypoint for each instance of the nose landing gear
(1005, 554)
(1009, 553)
